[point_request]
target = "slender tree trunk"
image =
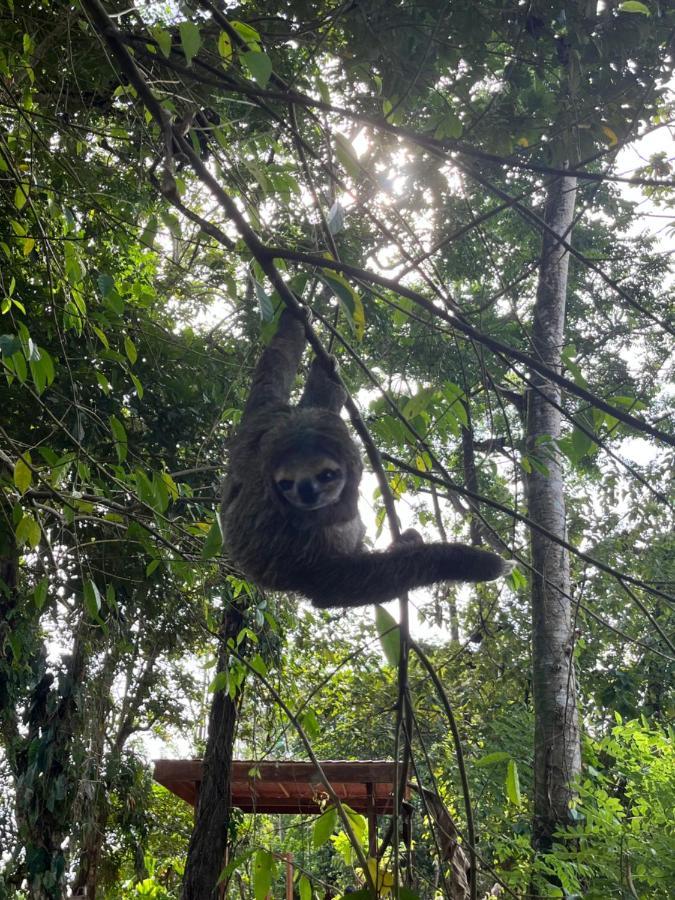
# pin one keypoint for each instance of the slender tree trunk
(209, 837)
(556, 742)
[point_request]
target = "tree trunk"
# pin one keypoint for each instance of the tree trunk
(209, 837)
(556, 740)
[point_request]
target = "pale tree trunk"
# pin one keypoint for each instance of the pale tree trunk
(557, 757)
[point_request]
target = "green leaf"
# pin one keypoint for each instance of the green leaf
(305, 888)
(190, 40)
(258, 664)
(234, 864)
(137, 385)
(513, 783)
(23, 474)
(103, 383)
(633, 6)
(264, 302)
(248, 34)
(163, 39)
(213, 542)
(27, 532)
(219, 683)
(130, 349)
(491, 759)
(259, 65)
(349, 300)
(40, 593)
(324, 827)
(225, 48)
(390, 635)
(263, 874)
(21, 194)
(28, 245)
(92, 599)
(120, 438)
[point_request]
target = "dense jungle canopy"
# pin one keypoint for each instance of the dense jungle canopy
(475, 200)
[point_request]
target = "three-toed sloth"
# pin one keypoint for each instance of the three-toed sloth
(290, 516)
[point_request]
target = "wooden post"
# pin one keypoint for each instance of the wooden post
(372, 821)
(289, 876)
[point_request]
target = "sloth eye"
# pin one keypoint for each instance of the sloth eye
(285, 484)
(327, 475)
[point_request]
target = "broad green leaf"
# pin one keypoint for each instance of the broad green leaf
(259, 65)
(23, 475)
(144, 488)
(137, 385)
(21, 194)
(20, 367)
(390, 635)
(163, 39)
(248, 34)
(305, 888)
(263, 874)
(349, 300)
(103, 382)
(101, 336)
(513, 783)
(491, 759)
(235, 864)
(105, 285)
(130, 349)
(633, 6)
(219, 683)
(92, 599)
(120, 438)
(264, 302)
(324, 827)
(225, 48)
(190, 40)
(213, 542)
(28, 532)
(40, 593)
(28, 245)
(258, 664)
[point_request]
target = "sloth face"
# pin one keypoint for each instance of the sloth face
(310, 481)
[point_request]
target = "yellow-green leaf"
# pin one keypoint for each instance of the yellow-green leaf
(27, 532)
(225, 48)
(324, 827)
(513, 783)
(610, 135)
(130, 349)
(633, 6)
(390, 635)
(23, 475)
(21, 194)
(28, 245)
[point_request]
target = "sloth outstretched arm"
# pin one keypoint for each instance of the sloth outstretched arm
(276, 369)
(362, 578)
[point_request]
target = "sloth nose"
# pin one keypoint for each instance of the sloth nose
(306, 491)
